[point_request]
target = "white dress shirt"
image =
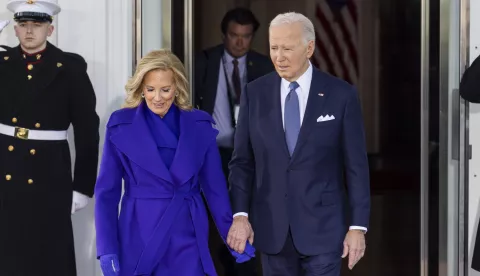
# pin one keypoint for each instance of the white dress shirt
(222, 113)
(304, 82)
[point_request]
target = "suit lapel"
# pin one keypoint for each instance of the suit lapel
(252, 72)
(138, 145)
(314, 108)
(213, 69)
(184, 164)
(275, 115)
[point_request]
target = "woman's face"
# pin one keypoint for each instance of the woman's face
(159, 91)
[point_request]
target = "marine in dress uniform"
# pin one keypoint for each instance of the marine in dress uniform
(43, 93)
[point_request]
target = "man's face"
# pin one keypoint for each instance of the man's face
(238, 39)
(288, 50)
(33, 35)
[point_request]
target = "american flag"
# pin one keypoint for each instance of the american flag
(336, 25)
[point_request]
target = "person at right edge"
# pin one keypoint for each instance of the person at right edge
(470, 86)
(299, 134)
(470, 91)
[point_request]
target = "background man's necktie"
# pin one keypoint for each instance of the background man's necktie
(292, 117)
(236, 81)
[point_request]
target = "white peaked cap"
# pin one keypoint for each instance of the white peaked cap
(33, 8)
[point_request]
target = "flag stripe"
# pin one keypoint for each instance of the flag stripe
(328, 27)
(336, 38)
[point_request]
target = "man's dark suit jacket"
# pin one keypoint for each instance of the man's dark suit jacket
(304, 192)
(207, 68)
(470, 85)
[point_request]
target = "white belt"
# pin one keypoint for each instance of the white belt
(32, 134)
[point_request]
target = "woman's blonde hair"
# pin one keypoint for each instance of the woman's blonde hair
(159, 60)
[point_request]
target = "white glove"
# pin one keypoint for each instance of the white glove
(79, 201)
(3, 24)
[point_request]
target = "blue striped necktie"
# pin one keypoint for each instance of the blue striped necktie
(292, 117)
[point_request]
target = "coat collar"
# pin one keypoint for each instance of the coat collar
(135, 141)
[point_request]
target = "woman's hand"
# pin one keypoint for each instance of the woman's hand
(110, 265)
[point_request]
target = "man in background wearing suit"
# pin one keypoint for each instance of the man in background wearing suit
(221, 74)
(299, 132)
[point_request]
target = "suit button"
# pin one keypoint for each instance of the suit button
(286, 195)
(32, 152)
(10, 148)
(37, 125)
(14, 120)
(8, 177)
(30, 181)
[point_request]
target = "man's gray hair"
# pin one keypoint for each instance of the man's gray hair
(294, 17)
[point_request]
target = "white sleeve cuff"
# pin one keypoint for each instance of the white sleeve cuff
(240, 214)
(358, 228)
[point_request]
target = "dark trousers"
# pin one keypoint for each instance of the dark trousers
(218, 249)
(291, 263)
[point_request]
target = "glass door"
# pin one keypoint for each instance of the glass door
(453, 156)
(173, 29)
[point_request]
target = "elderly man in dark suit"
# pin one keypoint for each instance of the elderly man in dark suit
(299, 132)
(221, 74)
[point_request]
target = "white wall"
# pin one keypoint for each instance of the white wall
(100, 31)
(474, 165)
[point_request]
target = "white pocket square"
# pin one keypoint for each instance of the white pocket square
(325, 118)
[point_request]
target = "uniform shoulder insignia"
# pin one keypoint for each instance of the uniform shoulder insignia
(77, 60)
(4, 55)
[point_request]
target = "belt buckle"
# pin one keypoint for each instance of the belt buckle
(21, 133)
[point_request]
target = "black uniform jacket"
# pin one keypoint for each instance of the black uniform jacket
(48, 93)
(49, 90)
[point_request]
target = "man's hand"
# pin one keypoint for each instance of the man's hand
(79, 201)
(354, 247)
(239, 233)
